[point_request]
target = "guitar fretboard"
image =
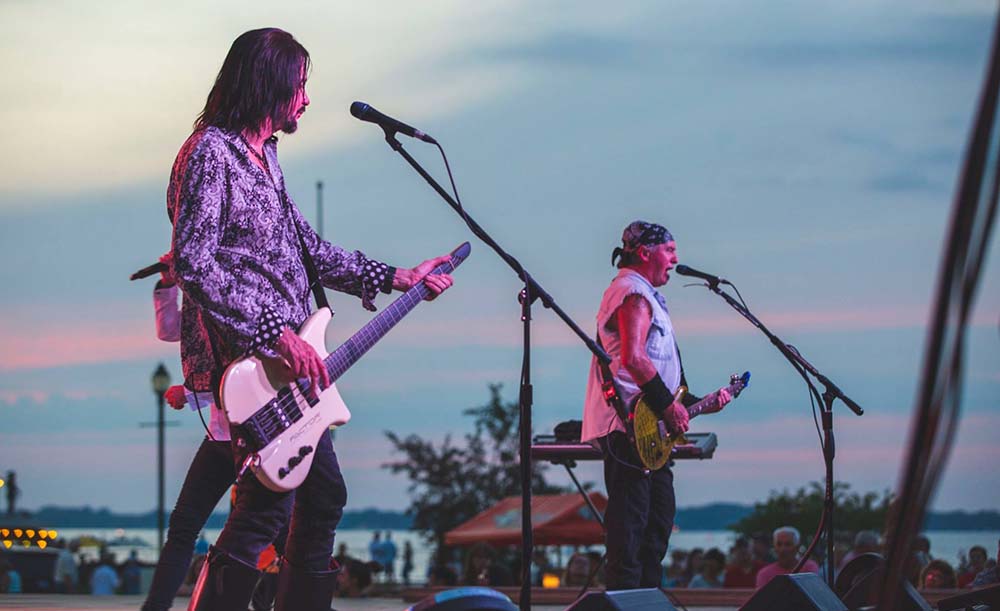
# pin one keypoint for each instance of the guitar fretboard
(341, 359)
(734, 390)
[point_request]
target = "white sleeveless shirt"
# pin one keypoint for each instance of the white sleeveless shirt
(599, 418)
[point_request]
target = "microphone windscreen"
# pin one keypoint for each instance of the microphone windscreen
(359, 110)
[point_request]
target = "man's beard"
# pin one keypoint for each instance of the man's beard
(291, 122)
(290, 125)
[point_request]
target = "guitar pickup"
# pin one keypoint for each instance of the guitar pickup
(662, 427)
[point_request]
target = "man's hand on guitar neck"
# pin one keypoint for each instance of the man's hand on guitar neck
(299, 360)
(406, 279)
(720, 399)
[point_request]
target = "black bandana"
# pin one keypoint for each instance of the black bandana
(640, 233)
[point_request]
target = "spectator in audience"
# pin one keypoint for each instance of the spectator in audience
(10, 579)
(66, 572)
(976, 565)
(786, 549)
(441, 575)
(539, 566)
(865, 542)
(710, 575)
(761, 549)
(674, 577)
(355, 578)
(991, 574)
(483, 569)
(938, 575)
(741, 572)
(375, 549)
(407, 562)
(693, 567)
(389, 552)
(922, 548)
(104, 580)
(201, 545)
(132, 574)
(577, 570)
(342, 556)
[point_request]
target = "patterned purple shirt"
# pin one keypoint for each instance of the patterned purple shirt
(237, 254)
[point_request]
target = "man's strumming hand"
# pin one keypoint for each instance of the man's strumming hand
(300, 360)
(677, 418)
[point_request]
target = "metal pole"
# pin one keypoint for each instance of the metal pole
(319, 208)
(160, 425)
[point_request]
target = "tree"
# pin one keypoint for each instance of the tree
(853, 512)
(449, 483)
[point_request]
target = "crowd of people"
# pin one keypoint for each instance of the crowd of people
(750, 562)
(753, 562)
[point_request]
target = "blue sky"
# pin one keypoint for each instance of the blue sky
(809, 153)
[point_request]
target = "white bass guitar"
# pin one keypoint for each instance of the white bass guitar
(280, 424)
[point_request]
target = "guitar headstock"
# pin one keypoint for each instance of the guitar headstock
(738, 382)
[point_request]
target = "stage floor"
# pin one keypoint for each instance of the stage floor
(82, 602)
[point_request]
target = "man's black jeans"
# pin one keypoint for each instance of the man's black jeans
(208, 478)
(639, 517)
(260, 513)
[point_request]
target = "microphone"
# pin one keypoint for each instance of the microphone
(363, 111)
(684, 270)
(148, 271)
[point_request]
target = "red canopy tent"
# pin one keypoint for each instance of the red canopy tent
(556, 519)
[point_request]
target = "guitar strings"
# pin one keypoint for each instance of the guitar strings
(272, 423)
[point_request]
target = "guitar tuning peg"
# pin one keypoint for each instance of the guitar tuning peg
(734, 378)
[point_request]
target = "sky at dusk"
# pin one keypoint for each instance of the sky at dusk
(808, 152)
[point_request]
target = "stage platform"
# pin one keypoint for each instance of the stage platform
(82, 602)
(556, 599)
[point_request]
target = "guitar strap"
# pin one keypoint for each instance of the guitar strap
(311, 274)
(611, 393)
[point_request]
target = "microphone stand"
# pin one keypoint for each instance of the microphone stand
(527, 296)
(830, 394)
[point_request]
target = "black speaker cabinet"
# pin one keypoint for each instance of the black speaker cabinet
(860, 581)
(466, 599)
(795, 592)
(987, 598)
(650, 599)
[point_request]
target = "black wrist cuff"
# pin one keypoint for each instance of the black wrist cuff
(657, 395)
(390, 273)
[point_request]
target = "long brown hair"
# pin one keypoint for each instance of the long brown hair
(257, 81)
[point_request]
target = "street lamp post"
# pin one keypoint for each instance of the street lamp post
(161, 382)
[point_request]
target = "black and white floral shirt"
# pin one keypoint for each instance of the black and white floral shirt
(237, 255)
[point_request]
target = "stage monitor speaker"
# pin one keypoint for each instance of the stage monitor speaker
(860, 580)
(984, 598)
(795, 592)
(651, 599)
(466, 599)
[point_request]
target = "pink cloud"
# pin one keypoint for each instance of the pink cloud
(548, 331)
(46, 336)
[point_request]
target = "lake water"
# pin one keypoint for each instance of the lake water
(946, 545)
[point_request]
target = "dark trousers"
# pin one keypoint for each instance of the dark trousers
(639, 517)
(208, 478)
(316, 507)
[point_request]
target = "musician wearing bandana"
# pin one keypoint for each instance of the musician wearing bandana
(635, 329)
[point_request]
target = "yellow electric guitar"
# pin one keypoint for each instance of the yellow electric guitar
(652, 440)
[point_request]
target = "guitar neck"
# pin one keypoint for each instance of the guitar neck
(700, 406)
(341, 359)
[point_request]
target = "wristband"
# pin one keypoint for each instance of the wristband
(657, 395)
